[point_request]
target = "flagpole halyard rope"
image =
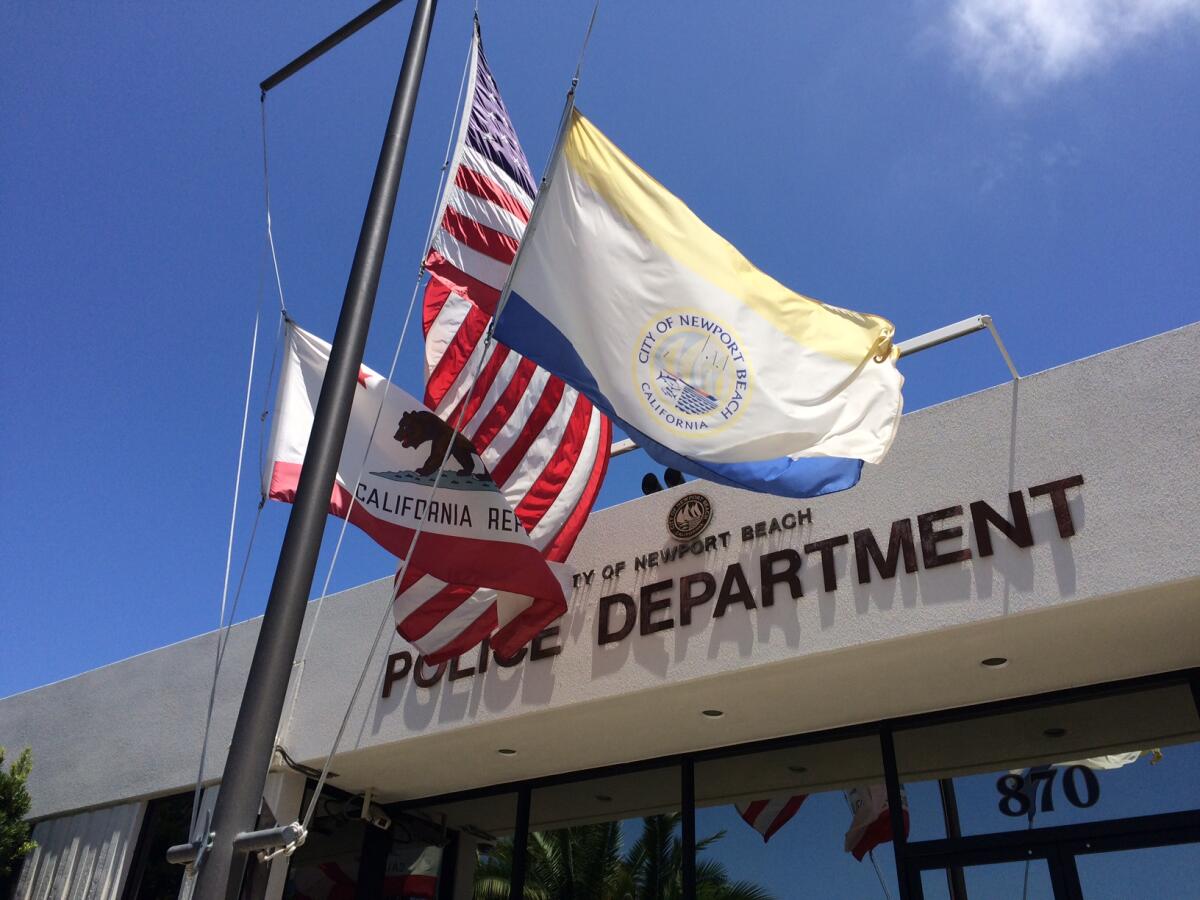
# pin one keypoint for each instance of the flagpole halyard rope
(455, 426)
(337, 547)
(262, 418)
(437, 479)
(237, 485)
(587, 36)
(454, 123)
(433, 224)
(391, 372)
(547, 175)
(267, 200)
(224, 627)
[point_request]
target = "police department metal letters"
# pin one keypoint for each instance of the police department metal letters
(653, 606)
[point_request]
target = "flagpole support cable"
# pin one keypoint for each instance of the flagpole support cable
(252, 748)
(223, 626)
(323, 777)
(222, 631)
(319, 605)
(547, 176)
(437, 480)
(267, 204)
(991, 327)
(587, 36)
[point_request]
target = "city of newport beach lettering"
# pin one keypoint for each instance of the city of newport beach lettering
(938, 538)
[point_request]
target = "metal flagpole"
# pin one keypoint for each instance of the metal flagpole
(221, 865)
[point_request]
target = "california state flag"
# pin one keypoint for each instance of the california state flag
(468, 533)
(871, 823)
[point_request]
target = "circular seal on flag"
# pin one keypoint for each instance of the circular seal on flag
(691, 372)
(689, 517)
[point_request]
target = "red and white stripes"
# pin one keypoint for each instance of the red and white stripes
(545, 445)
(768, 816)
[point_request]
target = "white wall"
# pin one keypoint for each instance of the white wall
(1125, 420)
(84, 855)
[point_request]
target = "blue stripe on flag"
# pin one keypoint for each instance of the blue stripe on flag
(528, 332)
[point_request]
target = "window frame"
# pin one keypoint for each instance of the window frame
(1058, 844)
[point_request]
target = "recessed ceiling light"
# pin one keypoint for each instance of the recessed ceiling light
(799, 770)
(604, 798)
(507, 751)
(712, 713)
(1054, 732)
(994, 662)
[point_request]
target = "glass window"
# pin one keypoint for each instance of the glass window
(1157, 872)
(403, 863)
(1101, 758)
(166, 824)
(806, 821)
(325, 867)
(1028, 880)
(616, 836)
(412, 866)
(475, 836)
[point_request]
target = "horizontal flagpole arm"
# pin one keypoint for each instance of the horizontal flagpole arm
(957, 330)
(319, 49)
(907, 348)
(268, 838)
(941, 335)
(622, 447)
(243, 842)
(184, 854)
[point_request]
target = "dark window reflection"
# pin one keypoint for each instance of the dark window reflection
(166, 824)
(612, 837)
(805, 821)
(1111, 757)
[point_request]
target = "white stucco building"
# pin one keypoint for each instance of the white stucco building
(1017, 586)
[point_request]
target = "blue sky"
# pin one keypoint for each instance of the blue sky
(924, 161)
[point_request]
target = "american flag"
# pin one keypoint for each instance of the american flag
(545, 445)
(768, 816)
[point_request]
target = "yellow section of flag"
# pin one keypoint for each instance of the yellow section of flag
(667, 222)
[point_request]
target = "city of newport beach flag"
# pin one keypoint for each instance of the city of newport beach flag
(768, 816)
(469, 535)
(871, 823)
(546, 445)
(709, 364)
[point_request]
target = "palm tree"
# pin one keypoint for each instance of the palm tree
(582, 863)
(655, 863)
(585, 863)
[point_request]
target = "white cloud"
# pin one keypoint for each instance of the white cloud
(1019, 46)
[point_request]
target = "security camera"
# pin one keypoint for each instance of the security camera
(373, 813)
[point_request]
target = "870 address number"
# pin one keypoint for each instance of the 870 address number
(1017, 795)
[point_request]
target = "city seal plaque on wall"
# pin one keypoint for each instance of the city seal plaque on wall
(689, 517)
